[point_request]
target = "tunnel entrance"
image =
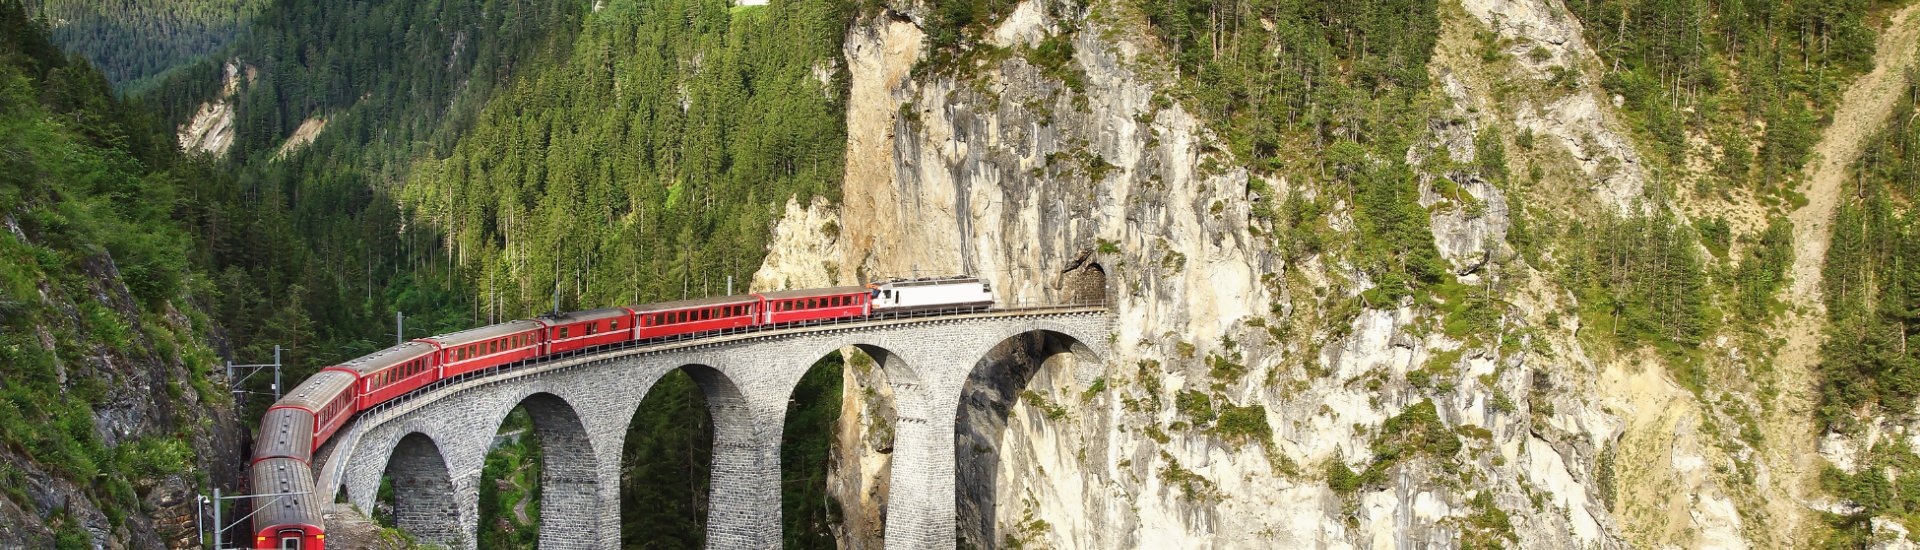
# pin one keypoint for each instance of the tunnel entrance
(1084, 281)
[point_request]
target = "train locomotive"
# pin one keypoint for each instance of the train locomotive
(289, 517)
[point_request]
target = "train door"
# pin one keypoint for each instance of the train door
(290, 540)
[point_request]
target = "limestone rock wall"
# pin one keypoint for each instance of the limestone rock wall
(1049, 190)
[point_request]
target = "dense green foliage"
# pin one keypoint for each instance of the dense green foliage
(1643, 281)
(665, 469)
(87, 192)
(510, 486)
(1873, 280)
(807, 510)
(649, 164)
(1417, 431)
(309, 251)
(1716, 68)
(1887, 485)
(1336, 61)
(137, 42)
(1345, 79)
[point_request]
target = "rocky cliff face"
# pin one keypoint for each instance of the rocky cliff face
(1245, 387)
(211, 130)
(167, 436)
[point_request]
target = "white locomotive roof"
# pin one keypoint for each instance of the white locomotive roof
(931, 281)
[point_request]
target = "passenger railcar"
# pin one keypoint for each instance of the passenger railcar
(392, 372)
(475, 349)
(585, 329)
(692, 316)
(290, 520)
(819, 304)
(300, 423)
(316, 408)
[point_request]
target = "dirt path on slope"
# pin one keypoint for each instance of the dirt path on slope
(1791, 454)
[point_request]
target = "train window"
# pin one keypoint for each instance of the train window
(590, 329)
(613, 325)
(563, 332)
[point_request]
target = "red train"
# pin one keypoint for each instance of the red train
(303, 420)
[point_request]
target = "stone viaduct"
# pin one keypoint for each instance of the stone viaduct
(432, 445)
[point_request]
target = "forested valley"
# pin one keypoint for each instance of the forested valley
(135, 43)
(465, 162)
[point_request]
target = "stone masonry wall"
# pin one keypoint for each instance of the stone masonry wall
(582, 406)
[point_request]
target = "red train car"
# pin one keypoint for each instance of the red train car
(390, 372)
(818, 304)
(304, 418)
(689, 316)
(585, 329)
(286, 521)
(474, 349)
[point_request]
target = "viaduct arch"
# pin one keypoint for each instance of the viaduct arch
(437, 440)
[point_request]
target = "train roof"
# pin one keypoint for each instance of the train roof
(317, 390)
(696, 302)
(285, 433)
(929, 281)
(589, 315)
(278, 476)
(373, 362)
(812, 292)
(488, 332)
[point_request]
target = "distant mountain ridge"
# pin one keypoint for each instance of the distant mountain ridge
(136, 43)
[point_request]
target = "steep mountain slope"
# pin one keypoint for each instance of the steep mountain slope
(110, 416)
(329, 105)
(1610, 381)
(1868, 105)
(136, 43)
(1404, 272)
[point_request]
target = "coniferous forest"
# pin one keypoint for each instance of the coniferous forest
(475, 161)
